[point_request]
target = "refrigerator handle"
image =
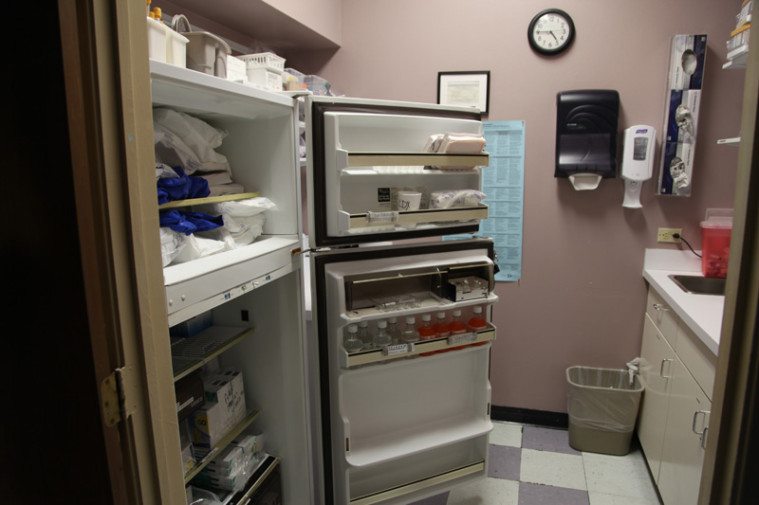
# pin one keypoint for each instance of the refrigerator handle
(488, 392)
(346, 433)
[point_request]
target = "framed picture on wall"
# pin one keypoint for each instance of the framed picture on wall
(464, 88)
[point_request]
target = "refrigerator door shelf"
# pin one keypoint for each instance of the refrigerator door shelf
(399, 221)
(423, 305)
(421, 348)
(403, 492)
(442, 160)
(416, 441)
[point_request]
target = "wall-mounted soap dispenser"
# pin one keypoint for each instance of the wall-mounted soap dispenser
(637, 162)
(586, 136)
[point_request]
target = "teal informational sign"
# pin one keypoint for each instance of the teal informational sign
(503, 185)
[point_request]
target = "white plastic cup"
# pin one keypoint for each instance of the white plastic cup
(409, 200)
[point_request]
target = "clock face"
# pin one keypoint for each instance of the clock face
(551, 31)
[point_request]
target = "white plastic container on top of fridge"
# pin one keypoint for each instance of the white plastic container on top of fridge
(166, 45)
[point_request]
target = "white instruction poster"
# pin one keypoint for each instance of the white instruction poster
(503, 185)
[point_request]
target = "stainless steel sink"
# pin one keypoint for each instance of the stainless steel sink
(699, 285)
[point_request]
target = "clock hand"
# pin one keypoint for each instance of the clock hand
(554, 36)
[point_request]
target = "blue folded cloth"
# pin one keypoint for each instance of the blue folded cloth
(189, 222)
(181, 187)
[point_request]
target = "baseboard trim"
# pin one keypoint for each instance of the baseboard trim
(529, 416)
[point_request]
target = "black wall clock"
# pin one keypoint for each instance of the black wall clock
(551, 31)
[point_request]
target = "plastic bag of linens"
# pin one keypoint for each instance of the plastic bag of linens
(200, 496)
(172, 244)
(243, 220)
(453, 198)
(184, 140)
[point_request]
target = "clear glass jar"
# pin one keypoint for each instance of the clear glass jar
(382, 337)
(409, 333)
(351, 342)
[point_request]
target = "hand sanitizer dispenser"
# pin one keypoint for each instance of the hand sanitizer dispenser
(637, 162)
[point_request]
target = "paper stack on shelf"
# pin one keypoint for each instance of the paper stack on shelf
(737, 44)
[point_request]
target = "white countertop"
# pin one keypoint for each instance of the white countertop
(701, 313)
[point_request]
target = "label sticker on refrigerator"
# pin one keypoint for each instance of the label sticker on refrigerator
(375, 217)
(391, 350)
(383, 198)
(462, 338)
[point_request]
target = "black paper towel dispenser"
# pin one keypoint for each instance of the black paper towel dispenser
(586, 136)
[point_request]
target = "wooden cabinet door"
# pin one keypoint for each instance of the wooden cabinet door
(657, 358)
(682, 452)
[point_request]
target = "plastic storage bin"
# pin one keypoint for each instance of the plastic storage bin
(166, 45)
(176, 48)
(317, 85)
(156, 40)
(603, 408)
(716, 230)
(264, 60)
(207, 53)
(264, 70)
(236, 69)
(265, 78)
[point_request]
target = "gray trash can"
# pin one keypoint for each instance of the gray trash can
(603, 408)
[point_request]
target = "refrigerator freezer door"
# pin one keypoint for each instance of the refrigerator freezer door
(396, 427)
(370, 177)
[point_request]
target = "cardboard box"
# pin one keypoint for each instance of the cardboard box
(224, 408)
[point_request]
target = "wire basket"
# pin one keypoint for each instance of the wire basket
(269, 61)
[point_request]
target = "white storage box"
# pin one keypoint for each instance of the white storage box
(265, 78)
(224, 407)
(156, 40)
(264, 60)
(166, 45)
(236, 69)
(176, 48)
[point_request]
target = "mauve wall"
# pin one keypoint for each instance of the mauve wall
(322, 16)
(581, 297)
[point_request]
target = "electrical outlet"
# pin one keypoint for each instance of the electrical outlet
(665, 234)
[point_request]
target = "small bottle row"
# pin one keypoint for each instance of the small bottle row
(363, 337)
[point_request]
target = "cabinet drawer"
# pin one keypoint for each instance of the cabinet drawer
(699, 360)
(662, 315)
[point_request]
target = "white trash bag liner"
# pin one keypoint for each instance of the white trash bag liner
(603, 398)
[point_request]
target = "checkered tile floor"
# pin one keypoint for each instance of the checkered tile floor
(531, 465)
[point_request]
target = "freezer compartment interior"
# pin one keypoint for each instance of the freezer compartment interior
(425, 473)
(395, 411)
(261, 158)
(258, 142)
(410, 288)
(259, 148)
(372, 158)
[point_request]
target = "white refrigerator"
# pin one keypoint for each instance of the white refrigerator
(401, 419)
(382, 424)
